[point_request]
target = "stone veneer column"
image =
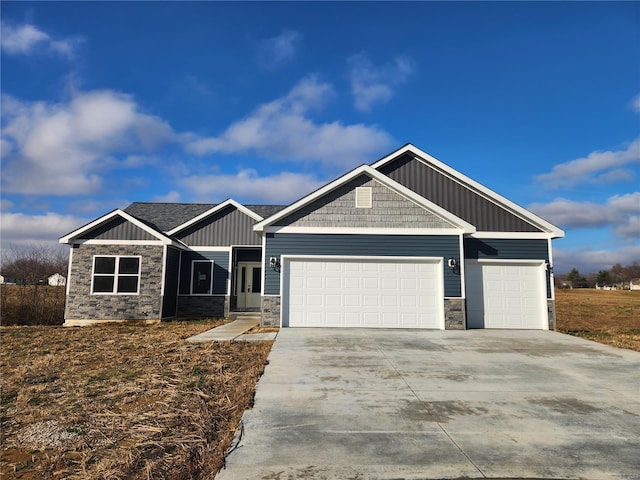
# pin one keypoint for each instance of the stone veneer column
(270, 311)
(551, 309)
(454, 314)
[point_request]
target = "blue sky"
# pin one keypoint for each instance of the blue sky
(108, 103)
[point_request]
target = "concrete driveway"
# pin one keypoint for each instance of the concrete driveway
(417, 404)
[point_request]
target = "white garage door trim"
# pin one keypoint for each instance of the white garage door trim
(489, 300)
(418, 312)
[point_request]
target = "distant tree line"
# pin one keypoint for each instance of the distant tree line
(616, 275)
(31, 301)
(32, 265)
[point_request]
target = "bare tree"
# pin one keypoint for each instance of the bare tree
(32, 264)
(32, 301)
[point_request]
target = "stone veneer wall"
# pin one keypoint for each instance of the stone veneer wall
(82, 306)
(454, 314)
(203, 306)
(551, 309)
(270, 311)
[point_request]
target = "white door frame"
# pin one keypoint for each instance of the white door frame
(249, 298)
(541, 264)
(286, 259)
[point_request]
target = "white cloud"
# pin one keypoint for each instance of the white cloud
(247, 186)
(621, 212)
(276, 51)
(20, 229)
(627, 203)
(96, 207)
(282, 130)
(5, 204)
(592, 261)
(597, 167)
(571, 214)
(635, 103)
(60, 148)
(27, 39)
(630, 229)
(372, 85)
(170, 197)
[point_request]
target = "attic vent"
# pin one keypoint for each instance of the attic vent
(364, 197)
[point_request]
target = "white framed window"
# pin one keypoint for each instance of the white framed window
(202, 277)
(364, 197)
(116, 275)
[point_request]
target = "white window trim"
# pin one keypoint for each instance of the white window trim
(210, 291)
(116, 274)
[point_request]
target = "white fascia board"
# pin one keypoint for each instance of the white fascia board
(506, 261)
(364, 230)
(105, 218)
(481, 189)
(376, 258)
(211, 211)
(205, 248)
(375, 175)
(118, 242)
(513, 235)
(259, 227)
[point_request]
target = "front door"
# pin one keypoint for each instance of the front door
(249, 285)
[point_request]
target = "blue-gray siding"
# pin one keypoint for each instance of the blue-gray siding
(460, 200)
(118, 228)
(508, 249)
(226, 227)
(220, 270)
(446, 246)
(172, 268)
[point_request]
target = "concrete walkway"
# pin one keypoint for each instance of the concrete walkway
(418, 404)
(225, 333)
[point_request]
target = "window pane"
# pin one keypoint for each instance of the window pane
(103, 284)
(201, 281)
(257, 278)
(127, 284)
(129, 265)
(105, 265)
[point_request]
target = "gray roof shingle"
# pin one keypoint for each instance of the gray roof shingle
(167, 216)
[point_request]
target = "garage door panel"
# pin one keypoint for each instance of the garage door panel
(370, 293)
(507, 295)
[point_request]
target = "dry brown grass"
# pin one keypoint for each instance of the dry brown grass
(121, 401)
(611, 317)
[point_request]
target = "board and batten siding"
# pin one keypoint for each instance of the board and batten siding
(220, 270)
(172, 269)
(508, 249)
(449, 194)
(226, 227)
(445, 246)
(118, 229)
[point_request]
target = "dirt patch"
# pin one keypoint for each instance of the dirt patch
(568, 406)
(121, 401)
(606, 316)
(438, 411)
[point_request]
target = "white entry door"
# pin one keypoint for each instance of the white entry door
(249, 286)
(506, 294)
(375, 292)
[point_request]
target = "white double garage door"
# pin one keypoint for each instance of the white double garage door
(406, 292)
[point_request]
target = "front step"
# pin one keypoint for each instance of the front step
(245, 316)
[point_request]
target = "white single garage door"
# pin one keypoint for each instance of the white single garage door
(355, 292)
(506, 294)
